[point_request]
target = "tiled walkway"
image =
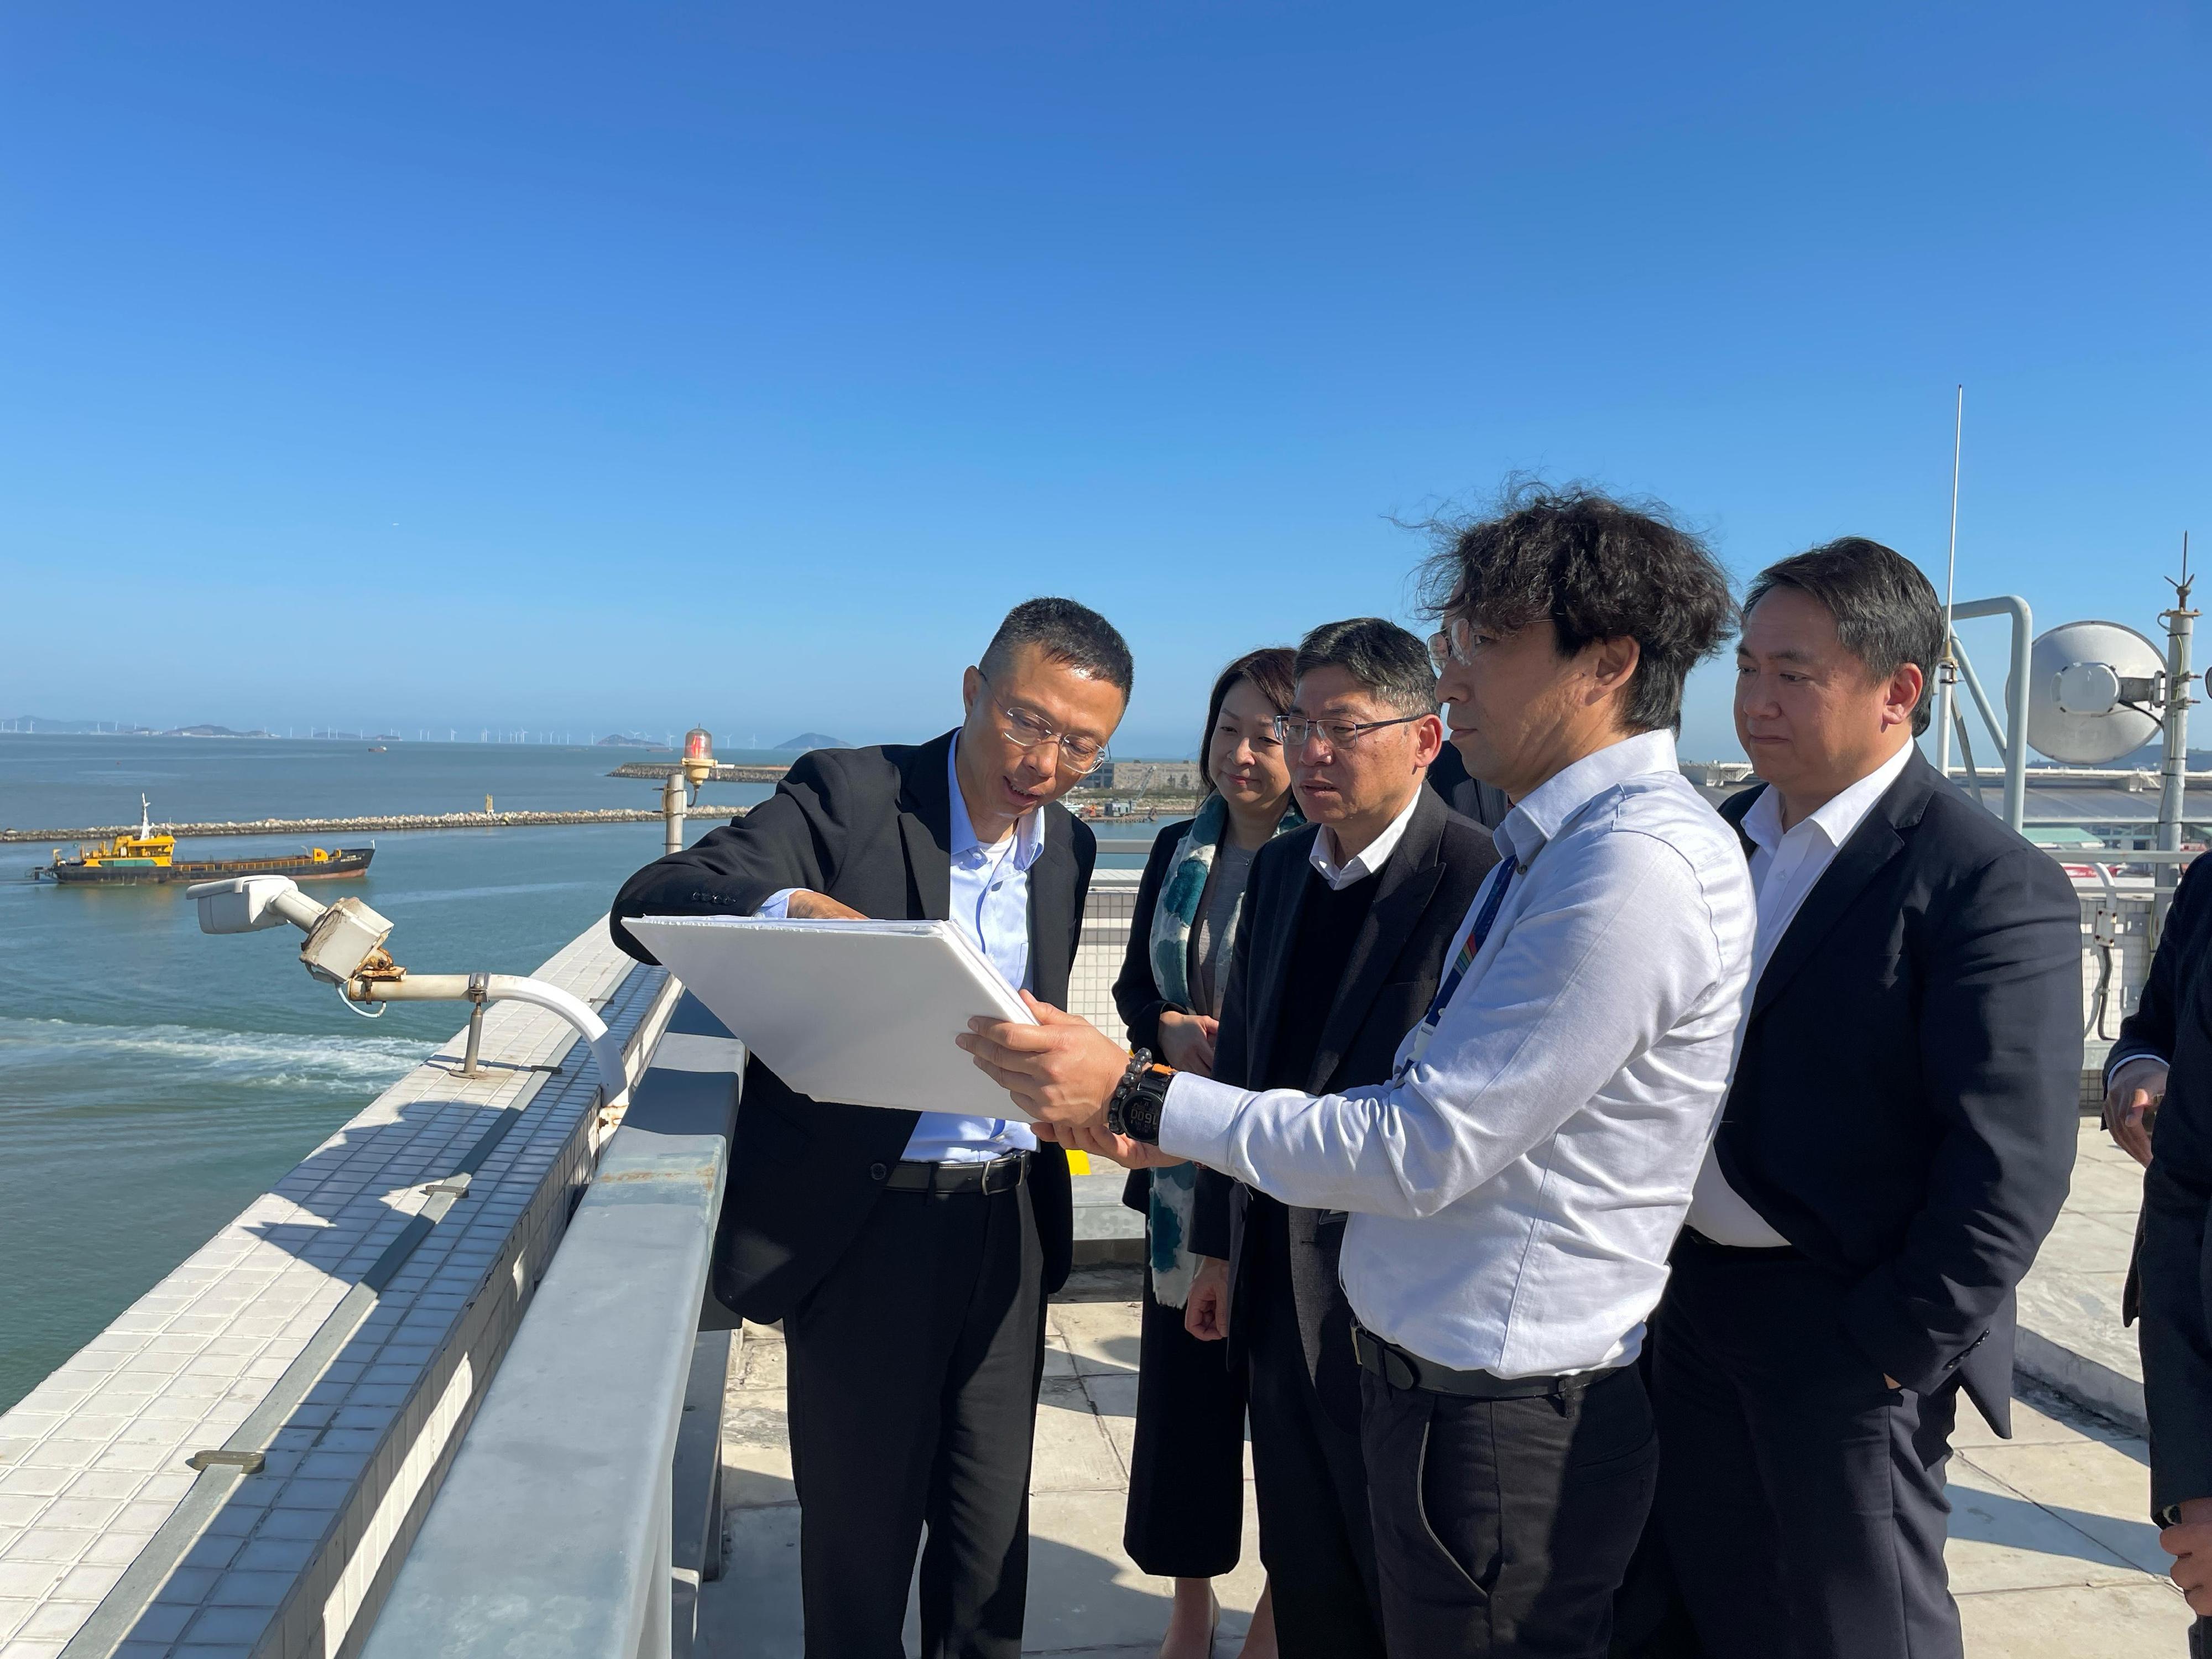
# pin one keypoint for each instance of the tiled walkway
(2050, 1552)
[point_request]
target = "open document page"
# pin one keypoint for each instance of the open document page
(864, 1011)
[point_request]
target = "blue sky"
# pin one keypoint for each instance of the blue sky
(553, 366)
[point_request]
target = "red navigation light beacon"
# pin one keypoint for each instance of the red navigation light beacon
(698, 757)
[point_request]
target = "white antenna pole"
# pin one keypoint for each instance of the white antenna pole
(1946, 669)
(2173, 783)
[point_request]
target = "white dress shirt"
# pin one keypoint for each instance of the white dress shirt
(1369, 858)
(1786, 866)
(1516, 1187)
(991, 909)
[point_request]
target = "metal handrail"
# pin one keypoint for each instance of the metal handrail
(1124, 844)
(2012, 738)
(581, 1420)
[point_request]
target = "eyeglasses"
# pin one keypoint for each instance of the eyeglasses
(1453, 643)
(1292, 730)
(1027, 731)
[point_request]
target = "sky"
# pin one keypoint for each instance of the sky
(585, 368)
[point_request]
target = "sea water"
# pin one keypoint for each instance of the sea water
(153, 1079)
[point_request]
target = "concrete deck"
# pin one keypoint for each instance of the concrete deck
(2051, 1553)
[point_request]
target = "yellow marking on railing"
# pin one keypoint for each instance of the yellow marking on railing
(1079, 1163)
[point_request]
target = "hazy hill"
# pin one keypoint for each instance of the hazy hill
(806, 740)
(617, 740)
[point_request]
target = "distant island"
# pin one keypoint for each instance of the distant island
(618, 740)
(813, 740)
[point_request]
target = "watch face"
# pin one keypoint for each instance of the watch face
(1144, 1113)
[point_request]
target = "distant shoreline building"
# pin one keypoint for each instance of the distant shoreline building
(1143, 776)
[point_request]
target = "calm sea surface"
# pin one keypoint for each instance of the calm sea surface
(152, 1079)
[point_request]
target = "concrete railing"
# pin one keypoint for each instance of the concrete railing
(583, 1508)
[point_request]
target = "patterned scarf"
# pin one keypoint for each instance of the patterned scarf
(1175, 1188)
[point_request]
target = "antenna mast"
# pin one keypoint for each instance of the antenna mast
(2173, 781)
(1947, 667)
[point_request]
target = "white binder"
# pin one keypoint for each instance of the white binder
(862, 1012)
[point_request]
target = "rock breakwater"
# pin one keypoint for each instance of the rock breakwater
(390, 824)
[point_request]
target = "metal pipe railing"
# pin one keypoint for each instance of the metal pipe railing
(2012, 742)
(481, 988)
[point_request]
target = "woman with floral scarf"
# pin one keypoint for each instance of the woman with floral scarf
(1186, 1475)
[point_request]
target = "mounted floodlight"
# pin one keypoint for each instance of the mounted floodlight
(344, 947)
(2096, 692)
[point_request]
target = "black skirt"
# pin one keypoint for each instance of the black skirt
(1186, 1516)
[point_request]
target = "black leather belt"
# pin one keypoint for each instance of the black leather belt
(1000, 1174)
(1402, 1370)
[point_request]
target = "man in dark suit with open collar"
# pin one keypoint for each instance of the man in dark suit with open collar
(1897, 1140)
(1342, 940)
(909, 1254)
(2160, 1085)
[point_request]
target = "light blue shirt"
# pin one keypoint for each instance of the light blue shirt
(1515, 1188)
(991, 909)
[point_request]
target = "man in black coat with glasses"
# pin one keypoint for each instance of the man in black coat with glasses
(909, 1253)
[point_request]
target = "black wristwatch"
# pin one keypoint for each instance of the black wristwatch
(1134, 1111)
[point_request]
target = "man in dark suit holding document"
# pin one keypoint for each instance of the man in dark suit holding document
(909, 1253)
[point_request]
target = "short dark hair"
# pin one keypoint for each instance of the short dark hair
(1382, 656)
(1886, 609)
(1065, 632)
(1598, 569)
(1271, 672)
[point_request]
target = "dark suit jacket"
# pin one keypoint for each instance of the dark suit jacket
(1425, 889)
(1905, 1095)
(2177, 1290)
(2155, 1027)
(870, 828)
(1463, 792)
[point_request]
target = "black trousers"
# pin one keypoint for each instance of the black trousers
(1801, 1500)
(1309, 1479)
(1185, 1514)
(912, 1395)
(1503, 1527)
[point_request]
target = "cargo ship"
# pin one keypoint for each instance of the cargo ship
(146, 859)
